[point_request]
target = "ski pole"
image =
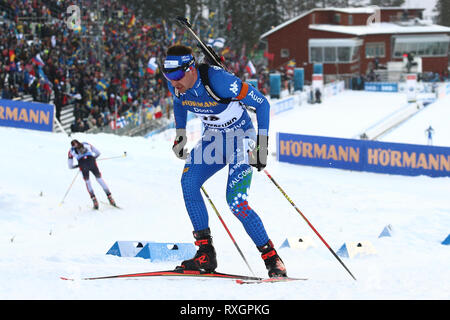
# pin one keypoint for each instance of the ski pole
(226, 228)
(312, 227)
(60, 204)
(115, 157)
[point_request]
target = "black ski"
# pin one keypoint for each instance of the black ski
(173, 273)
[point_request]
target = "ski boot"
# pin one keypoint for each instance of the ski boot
(272, 260)
(111, 200)
(94, 200)
(205, 258)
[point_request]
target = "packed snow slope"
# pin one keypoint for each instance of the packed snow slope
(40, 240)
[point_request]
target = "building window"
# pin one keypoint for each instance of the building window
(334, 50)
(337, 18)
(329, 54)
(343, 54)
(422, 46)
(284, 53)
(375, 50)
(316, 55)
(350, 19)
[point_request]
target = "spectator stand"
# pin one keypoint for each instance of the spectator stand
(99, 73)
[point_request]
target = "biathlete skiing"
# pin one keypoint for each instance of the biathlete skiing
(86, 155)
(229, 138)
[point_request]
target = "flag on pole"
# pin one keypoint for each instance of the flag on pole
(37, 60)
(268, 55)
(152, 66)
(12, 55)
(218, 42)
(29, 77)
(118, 123)
(225, 51)
(121, 122)
(44, 77)
(132, 21)
(102, 85)
(158, 112)
(112, 124)
(229, 23)
(250, 68)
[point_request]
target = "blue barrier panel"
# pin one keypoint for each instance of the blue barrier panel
(155, 251)
(320, 151)
(275, 85)
(343, 251)
(387, 232)
(299, 79)
(364, 155)
(381, 86)
(446, 241)
(126, 248)
(318, 68)
(282, 105)
(407, 159)
(26, 115)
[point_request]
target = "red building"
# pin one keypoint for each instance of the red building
(348, 40)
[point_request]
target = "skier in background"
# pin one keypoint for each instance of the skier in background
(230, 136)
(430, 132)
(86, 155)
(318, 96)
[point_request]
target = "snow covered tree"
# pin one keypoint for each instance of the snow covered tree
(155, 9)
(293, 8)
(248, 19)
(387, 3)
(443, 12)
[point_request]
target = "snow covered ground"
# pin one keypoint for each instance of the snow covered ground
(41, 241)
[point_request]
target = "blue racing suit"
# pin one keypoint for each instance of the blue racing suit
(227, 137)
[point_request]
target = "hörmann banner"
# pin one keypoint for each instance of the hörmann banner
(364, 155)
(27, 115)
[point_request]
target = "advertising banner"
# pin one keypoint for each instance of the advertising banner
(283, 105)
(363, 155)
(443, 90)
(411, 84)
(317, 82)
(26, 115)
(381, 86)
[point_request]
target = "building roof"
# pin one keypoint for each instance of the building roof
(284, 24)
(361, 10)
(380, 28)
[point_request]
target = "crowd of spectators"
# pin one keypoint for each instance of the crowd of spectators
(99, 68)
(42, 55)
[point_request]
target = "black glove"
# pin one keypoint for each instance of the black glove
(258, 156)
(179, 143)
(75, 166)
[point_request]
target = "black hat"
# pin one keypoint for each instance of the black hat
(75, 143)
